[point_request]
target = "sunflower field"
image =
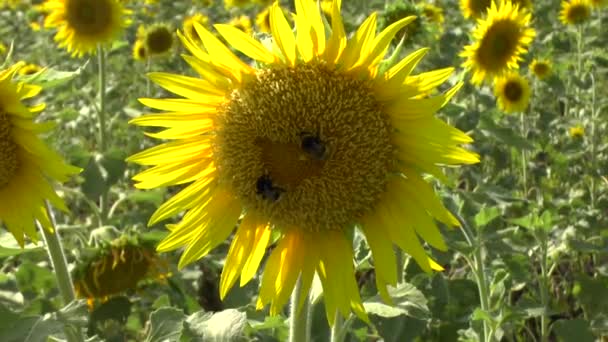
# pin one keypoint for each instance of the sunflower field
(304, 170)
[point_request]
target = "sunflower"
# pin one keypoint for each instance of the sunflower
(83, 24)
(540, 68)
(575, 12)
(29, 69)
(188, 25)
(501, 38)
(27, 165)
(236, 3)
(474, 8)
(158, 39)
(512, 93)
(262, 20)
(576, 132)
(243, 23)
(433, 13)
(316, 141)
(140, 53)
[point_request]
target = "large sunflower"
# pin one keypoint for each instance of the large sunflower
(512, 92)
(500, 40)
(83, 24)
(27, 165)
(575, 12)
(314, 142)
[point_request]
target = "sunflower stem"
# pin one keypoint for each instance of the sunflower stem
(103, 201)
(594, 113)
(337, 334)
(544, 290)
(299, 327)
(60, 266)
(524, 162)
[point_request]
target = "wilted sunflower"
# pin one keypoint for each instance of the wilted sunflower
(311, 144)
(188, 25)
(262, 20)
(139, 50)
(575, 12)
(117, 267)
(27, 166)
(474, 8)
(540, 68)
(512, 93)
(83, 24)
(500, 40)
(243, 23)
(158, 39)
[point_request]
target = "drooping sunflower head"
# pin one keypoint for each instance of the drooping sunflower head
(158, 39)
(512, 92)
(500, 40)
(262, 20)
(243, 23)
(541, 68)
(117, 267)
(310, 144)
(140, 53)
(83, 24)
(27, 166)
(474, 8)
(188, 25)
(575, 12)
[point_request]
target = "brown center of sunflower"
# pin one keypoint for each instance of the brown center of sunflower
(498, 45)
(513, 91)
(578, 13)
(89, 17)
(159, 40)
(9, 163)
(306, 147)
(541, 69)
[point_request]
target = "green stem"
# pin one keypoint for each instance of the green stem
(479, 271)
(400, 259)
(60, 266)
(336, 329)
(594, 167)
(103, 201)
(544, 291)
(299, 319)
(524, 163)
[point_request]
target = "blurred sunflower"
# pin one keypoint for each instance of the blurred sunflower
(262, 20)
(117, 267)
(576, 132)
(188, 25)
(575, 12)
(29, 69)
(433, 13)
(27, 166)
(84, 24)
(500, 40)
(236, 3)
(316, 141)
(512, 92)
(158, 39)
(540, 68)
(139, 50)
(243, 23)
(474, 8)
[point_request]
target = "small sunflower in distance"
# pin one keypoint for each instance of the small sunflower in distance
(474, 8)
(500, 40)
(512, 92)
(27, 166)
(575, 12)
(84, 24)
(139, 51)
(541, 68)
(576, 132)
(158, 39)
(315, 142)
(29, 69)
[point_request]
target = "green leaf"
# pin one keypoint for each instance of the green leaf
(407, 299)
(51, 77)
(9, 246)
(573, 330)
(114, 165)
(166, 324)
(33, 280)
(505, 135)
(94, 184)
(223, 326)
(486, 215)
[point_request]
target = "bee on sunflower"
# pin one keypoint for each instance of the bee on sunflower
(512, 92)
(315, 141)
(575, 12)
(500, 40)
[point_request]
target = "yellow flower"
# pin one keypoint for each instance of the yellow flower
(243, 23)
(84, 24)
(316, 141)
(35, 26)
(433, 13)
(139, 51)
(575, 12)
(576, 132)
(2, 48)
(512, 93)
(28, 168)
(157, 39)
(188, 25)
(540, 68)
(500, 40)
(236, 3)
(262, 20)
(29, 69)
(474, 8)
